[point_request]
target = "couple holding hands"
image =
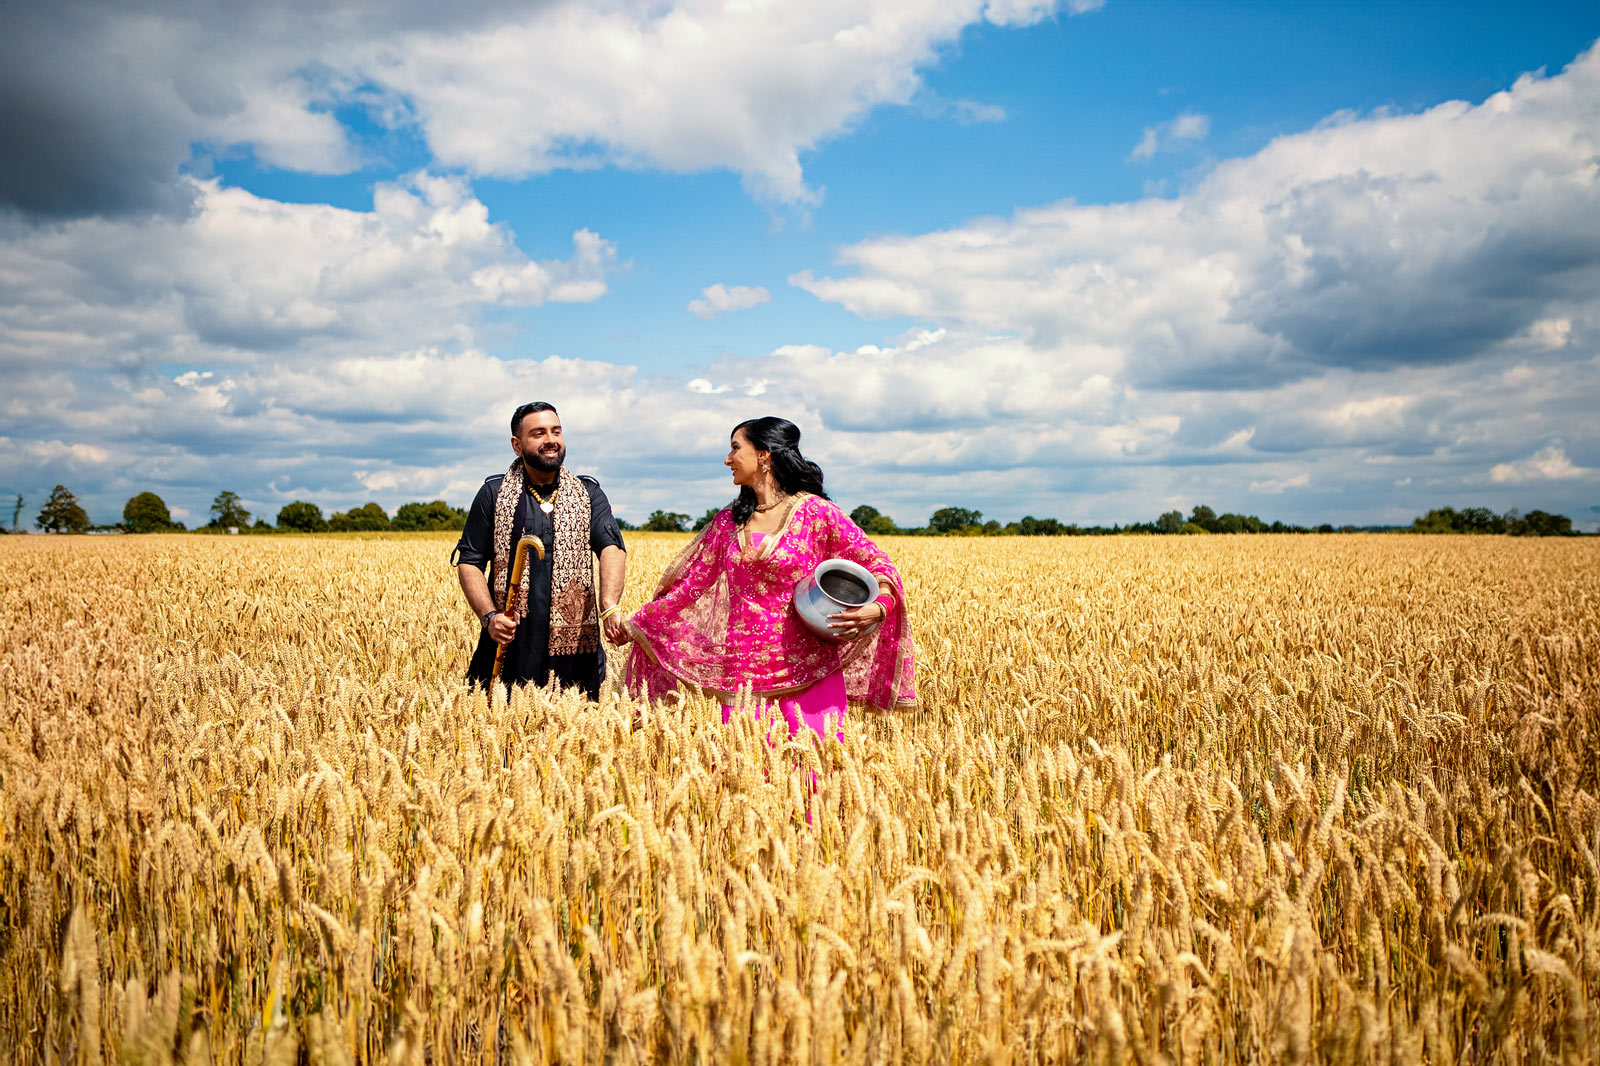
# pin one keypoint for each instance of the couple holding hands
(722, 618)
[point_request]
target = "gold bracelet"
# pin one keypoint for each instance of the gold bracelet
(608, 610)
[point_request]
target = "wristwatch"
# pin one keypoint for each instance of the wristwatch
(488, 616)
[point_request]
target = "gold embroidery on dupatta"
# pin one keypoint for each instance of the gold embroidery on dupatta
(681, 561)
(769, 542)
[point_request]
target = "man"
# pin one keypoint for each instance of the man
(557, 627)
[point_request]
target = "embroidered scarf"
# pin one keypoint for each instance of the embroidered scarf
(574, 619)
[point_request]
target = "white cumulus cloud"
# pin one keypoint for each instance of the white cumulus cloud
(276, 334)
(1278, 485)
(249, 274)
(1168, 135)
(1546, 464)
(493, 87)
(1396, 239)
(719, 299)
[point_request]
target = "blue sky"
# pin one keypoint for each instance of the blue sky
(1312, 262)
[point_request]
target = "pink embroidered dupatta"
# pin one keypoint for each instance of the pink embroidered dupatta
(723, 615)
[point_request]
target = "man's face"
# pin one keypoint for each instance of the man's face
(538, 441)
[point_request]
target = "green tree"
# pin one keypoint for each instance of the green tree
(873, 521)
(706, 519)
(226, 511)
(368, 518)
(953, 519)
(62, 513)
(665, 522)
(1537, 523)
(1170, 522)
(434, 517)
(1438, 520)
(1039, 527)
(146, 513)
(1204, 517)
(16, 513)
(301, 516)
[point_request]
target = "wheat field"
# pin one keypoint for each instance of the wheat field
(1166, 799)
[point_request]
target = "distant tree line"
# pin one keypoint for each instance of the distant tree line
(961, 521)
(148, 513)
(965, 522)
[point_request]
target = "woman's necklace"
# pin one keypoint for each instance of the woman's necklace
(764, 508)
(546, 505)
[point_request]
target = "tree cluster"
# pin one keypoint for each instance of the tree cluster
(1535, 523)
(1203, 519)
(667, 522)
(302, 516)
(62, 513)
(148, 513)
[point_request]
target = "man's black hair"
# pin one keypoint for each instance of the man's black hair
(528, 409)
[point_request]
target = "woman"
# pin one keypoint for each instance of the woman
(723, 616)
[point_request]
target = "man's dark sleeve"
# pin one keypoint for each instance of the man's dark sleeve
(476, 546)
(603, 529)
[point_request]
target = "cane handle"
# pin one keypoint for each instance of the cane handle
(513, 589)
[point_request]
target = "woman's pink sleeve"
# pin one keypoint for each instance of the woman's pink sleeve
(845, 540)
(884, 672)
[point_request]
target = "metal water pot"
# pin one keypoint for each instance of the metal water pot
(835, 585)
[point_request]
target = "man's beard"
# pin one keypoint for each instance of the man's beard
(545, 465)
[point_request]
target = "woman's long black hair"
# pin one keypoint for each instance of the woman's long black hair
(793, 471)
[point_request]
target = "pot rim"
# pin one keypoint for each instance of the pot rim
(854, 569)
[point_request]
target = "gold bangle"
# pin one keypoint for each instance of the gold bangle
(608, 610)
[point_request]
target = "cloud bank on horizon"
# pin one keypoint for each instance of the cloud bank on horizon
(1382, 312)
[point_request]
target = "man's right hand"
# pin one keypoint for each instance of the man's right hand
(502, 628)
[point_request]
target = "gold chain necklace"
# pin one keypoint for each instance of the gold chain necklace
(545, 505)
(763, 509)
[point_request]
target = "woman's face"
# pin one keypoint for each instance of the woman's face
(743, 459)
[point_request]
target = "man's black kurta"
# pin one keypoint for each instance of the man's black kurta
(528, 659)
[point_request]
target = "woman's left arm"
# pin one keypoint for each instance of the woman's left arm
(843, 539)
